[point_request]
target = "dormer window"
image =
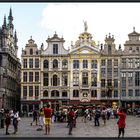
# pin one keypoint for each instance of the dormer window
(109, 49)
(31, 51)
(24, 52)
(55, 48)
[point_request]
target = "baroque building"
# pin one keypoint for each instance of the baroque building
(88, 73)
(9, 65)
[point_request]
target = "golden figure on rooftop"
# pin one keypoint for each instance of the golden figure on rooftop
(85, 24)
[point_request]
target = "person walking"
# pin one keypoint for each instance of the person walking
(71, 119)
(121, 122)
(41, 118)
(48, 120)
(97, 116)
(7, 120)
(2, 118)
(104, 115)
(15, 117)
(35, 115)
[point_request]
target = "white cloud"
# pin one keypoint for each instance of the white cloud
(102, 18)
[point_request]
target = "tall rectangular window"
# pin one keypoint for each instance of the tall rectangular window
(130, 79)
(115, 72)
(130, 63)
(123, 62)
(31, 63)
(109, 63)
(30, 76)
(109, 72)
(103, 62)
(36, 76)
(94, 93)
(115, 93)
(36, 90)
(94, 64)
(45, 79)
(75, 79)
(55, 48)
(130, 92)
(103, 72)
(24, 91)
(85, 78)
(123, 79)
(115, 83)
(102, 82)
(36, 63)
(30, 91)
(24, 63)
(24, 76)
(109, 82)
(115, 62)
(137, 92)
(75, 64)
(64, 79)
(93, 79)
(85, 64)
(123, 93)
(137, 63)
(137, 78)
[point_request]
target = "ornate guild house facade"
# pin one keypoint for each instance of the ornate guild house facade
(85, 74)
(9, 66)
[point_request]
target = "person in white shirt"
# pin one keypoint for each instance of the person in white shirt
(15, 117)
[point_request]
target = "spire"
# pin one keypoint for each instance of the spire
(10, 18)
(4, 22)
(15, 36)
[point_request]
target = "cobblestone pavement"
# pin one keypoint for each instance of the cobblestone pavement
(82, 129)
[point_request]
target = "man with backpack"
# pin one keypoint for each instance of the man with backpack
(97, 116)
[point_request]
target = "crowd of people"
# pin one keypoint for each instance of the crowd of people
(46, 116)
(9, 117)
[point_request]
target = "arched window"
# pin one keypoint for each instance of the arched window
(75, 93)
(55, 80)
(64, 63)
(45, 93)
(94, 93)
(46, 64)
(55, 63)
(55, 93)
(31, 51)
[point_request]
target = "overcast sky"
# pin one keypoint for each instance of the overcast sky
(42, 19)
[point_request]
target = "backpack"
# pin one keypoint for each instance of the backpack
(97, 113)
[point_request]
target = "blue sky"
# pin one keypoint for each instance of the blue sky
(42, 19)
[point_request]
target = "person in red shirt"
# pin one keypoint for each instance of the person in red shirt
(121, 122)
(71, 117)
(48, 116)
